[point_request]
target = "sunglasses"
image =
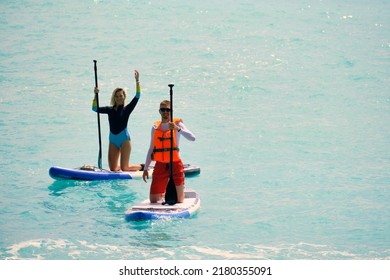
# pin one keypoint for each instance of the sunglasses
(165, 109)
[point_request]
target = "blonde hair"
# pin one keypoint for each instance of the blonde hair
(113, 103)
(166, 103)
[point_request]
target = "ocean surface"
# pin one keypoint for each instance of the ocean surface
(289, 100)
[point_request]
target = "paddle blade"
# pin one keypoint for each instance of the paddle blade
(100, 160)
(170, 193)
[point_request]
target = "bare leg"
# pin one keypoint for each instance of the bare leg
(125, 158)
(180, 193)
(113, 156)
(155, 197)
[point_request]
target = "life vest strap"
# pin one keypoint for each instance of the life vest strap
(165, 150)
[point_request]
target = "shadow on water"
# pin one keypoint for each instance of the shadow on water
(57, 187)
(159, 235)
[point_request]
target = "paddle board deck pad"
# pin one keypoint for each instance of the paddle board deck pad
(92, 173)
(154, 211)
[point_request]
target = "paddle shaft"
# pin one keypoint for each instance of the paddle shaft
(98, 118)
(171, 150)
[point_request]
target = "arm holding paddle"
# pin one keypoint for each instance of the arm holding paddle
(148, 159)
(94, 101)
(102, 110)
(181, 129)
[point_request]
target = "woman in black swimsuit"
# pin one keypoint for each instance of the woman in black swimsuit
(118, 116)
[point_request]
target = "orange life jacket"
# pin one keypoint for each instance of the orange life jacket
(162, 143)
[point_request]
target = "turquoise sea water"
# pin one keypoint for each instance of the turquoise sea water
(289, 100)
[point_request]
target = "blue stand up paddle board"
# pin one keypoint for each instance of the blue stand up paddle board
(92, 173)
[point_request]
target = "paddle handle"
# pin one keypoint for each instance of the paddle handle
(171, 99)
(95, 68)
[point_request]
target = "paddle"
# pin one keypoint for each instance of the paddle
(98, 119)
(170, 193)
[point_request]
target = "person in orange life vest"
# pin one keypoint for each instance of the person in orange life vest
(159, 151)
